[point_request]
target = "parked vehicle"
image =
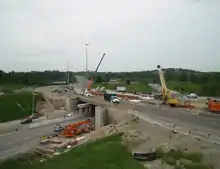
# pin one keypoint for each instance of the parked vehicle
(26, 120)
(58, 128)
(192, 95)
(34, 116)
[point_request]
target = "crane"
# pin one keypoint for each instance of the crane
(166, 95)
(100, 62)
(91, 80)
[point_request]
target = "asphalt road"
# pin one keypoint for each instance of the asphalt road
(198, 122)
(182, 118)
(29, 137)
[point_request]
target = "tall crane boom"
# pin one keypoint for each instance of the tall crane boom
(162, 81)
(166, 95)
(91, 80)
(100, 62)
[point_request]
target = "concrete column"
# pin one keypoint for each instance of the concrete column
(90, 109)
(87, 111)
(101, 117)
(72, 104)
(105, 116)
(98, 122)
(81, 111)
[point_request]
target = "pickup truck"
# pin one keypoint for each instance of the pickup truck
(115, 99)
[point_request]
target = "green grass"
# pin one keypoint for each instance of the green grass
(139, 87)
(195, 159)
(186, 86)
(107, 153)
(16, 105)
(9, 88)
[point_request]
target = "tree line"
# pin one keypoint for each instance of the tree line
(205, 83)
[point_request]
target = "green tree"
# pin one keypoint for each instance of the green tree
(128, 82)
(183, 77)
(98, 79)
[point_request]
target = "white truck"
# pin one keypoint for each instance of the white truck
(78, 91)
(120, 89)
(83, 92)
(115, 99)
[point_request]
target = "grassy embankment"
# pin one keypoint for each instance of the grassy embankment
(9, 88)
(181, 159)
(15, 106)
(139, 87)
(186, 86)
(107, 153)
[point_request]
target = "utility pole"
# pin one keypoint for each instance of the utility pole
(87, 73)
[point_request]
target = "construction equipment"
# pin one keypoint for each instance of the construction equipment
(71, 130)
(166, 94)
(91, 80)
(214, 105)
(75, 125)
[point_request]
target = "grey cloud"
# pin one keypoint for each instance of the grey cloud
(136, 35)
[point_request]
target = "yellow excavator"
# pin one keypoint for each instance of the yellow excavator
(166, 94)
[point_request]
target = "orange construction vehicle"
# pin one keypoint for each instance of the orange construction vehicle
(75, 125)
(71, 130)
(214, 105)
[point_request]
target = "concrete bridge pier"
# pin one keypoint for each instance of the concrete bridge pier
(72, 104)
(101, 117)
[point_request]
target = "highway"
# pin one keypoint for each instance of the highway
(29, 137)
(182, 118)
(199, 123)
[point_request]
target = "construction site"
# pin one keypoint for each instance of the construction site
(148, 125)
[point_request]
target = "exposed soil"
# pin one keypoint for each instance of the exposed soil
(142, 136)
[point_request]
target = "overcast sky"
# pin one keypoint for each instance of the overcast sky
(135, 34)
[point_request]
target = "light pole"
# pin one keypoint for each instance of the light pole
(87, 73)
